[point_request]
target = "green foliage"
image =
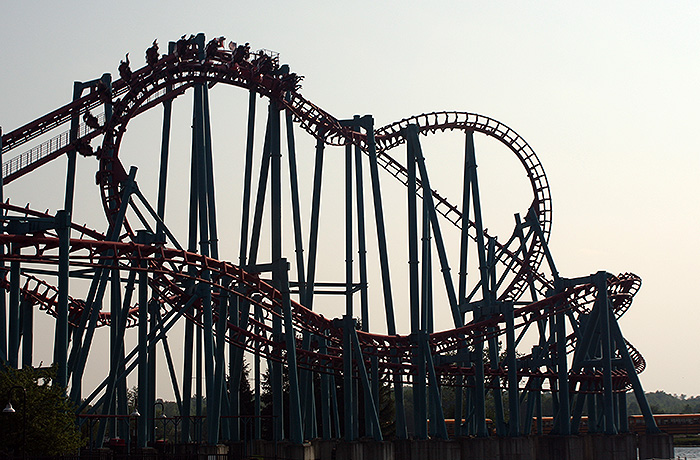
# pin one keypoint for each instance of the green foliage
(665, 403)
(48, 420)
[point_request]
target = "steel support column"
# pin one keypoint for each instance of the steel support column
(478, 363)
(143, 393)
(368, 124)
(3, 298)
(60, 349)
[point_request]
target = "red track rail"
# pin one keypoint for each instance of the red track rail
(169, 77)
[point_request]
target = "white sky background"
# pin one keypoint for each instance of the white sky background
(606, 95)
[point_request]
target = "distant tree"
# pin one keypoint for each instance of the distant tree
(47, 419)
(661, 402)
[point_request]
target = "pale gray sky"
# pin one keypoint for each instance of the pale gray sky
(605, 93)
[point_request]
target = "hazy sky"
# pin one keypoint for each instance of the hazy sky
(605, 93)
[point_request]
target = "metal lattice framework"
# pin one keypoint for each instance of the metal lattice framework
(252, 310)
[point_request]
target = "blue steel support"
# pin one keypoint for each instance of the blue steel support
(563, 415)
(252, 258)
(187, 381)
(426, 310)
(326, 432)
(585, 351)
(208, 247)
(3, 305)
(349, 424)
(361, 237)
(153, 315)
(164, 155)
(189, 325)
(513, 396)
(294, 190)
(602, 298)
(494, 345)
(306, 377)
(434, 389)
(235, 370)
(368, 124)
(464, 229)
(276, 233)
(622, 412)
(220, 368)
(469, 425)
(412, 139)
(307, 299)
(628, 364)
(118, 326)
(170, 319)
(480, 390)
(527, 415)
(531, 219)
(60, 349)
(204, 345)
(122, 403)
(420, 420)
(256, 370)
(296, 432)
(70, 173)
(496, 389)
(521, 238)
(27, 313)
(213, 237)
(462, 289)
(414, 293)
(94, 301)
(412, 131)
(362, 266)
(349, 384)
(348, 235)
(248, 179)
(205, 244)
(239, 310)
(260, 196)
(115, 346)
(420, 411)
(214, 361)
(307, 389)
(14, 320)
(307, 296)
(78, 88)
(552, 358)
(143, 396)
(348, 393)
(199, 406)
(242, 260)
(375, 427)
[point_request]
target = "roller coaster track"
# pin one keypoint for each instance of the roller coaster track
(174, 271)
(171, 76)
(171, 270)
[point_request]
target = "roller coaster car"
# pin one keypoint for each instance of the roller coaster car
(270, 83)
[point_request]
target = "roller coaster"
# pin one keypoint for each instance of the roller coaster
(519, 328)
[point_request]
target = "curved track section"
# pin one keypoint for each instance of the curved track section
(198, 288)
